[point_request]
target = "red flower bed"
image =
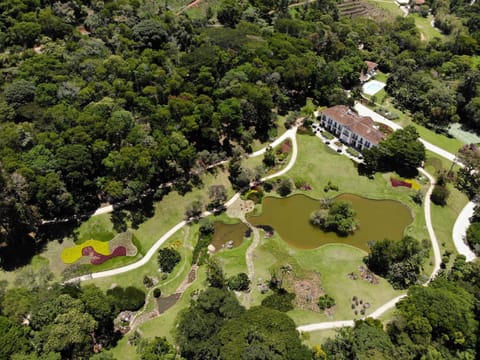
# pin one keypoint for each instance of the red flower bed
(98, 259)
(398, 182)
(286, 146)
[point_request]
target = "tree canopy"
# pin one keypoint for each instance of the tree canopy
(401, 151)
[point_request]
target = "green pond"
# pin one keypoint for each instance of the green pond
(226, 232)
(290, 218)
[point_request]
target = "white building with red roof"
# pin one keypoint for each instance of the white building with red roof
(371, 71)
(351, 128)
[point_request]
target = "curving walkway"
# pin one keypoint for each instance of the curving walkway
(291, 133)
(428, 221)
(460, 229)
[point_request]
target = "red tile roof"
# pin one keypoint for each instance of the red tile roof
(371, 65)
(361, 125)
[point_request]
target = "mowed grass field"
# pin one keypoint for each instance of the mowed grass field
(425, 27)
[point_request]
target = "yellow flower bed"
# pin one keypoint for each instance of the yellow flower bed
(74, 253)
(415, 185)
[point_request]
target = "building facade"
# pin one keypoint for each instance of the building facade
(352, 129)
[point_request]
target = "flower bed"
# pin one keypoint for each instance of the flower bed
(398, 182)
(98, 259)
(101, 251)
(412, 184)
(73, 254)
(286, 146)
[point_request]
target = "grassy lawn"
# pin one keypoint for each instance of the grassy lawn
(452, 145)
(170, 210)
(381, 76)
(444, 218)
(435, 163)
(233, 260)
(388, 5)
(96, 228)
(168, 213)
(425, 26)
(253, 162)
(332, 262)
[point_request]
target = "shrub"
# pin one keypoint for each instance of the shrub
(147, 281)
(439, 195)
(239, 282)
(157, 293)
(168, 259)
(129, 298)
(200, 250)
(269, 157)
(330, 186)
(473, 237)
(328, 135)
(325, 302)
(281, 300)
(299, 182)
(418, 197)
(353, 152)
(267, 186)
(285, 187)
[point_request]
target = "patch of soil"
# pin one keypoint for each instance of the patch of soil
(191, 276)
(367, 275)
(307, 291)
(165, 303)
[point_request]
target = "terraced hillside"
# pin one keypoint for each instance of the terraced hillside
(353, 8)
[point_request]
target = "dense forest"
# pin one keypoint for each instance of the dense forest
(105, 101)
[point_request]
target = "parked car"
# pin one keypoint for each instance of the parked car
(339, 150)
(327, 142)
